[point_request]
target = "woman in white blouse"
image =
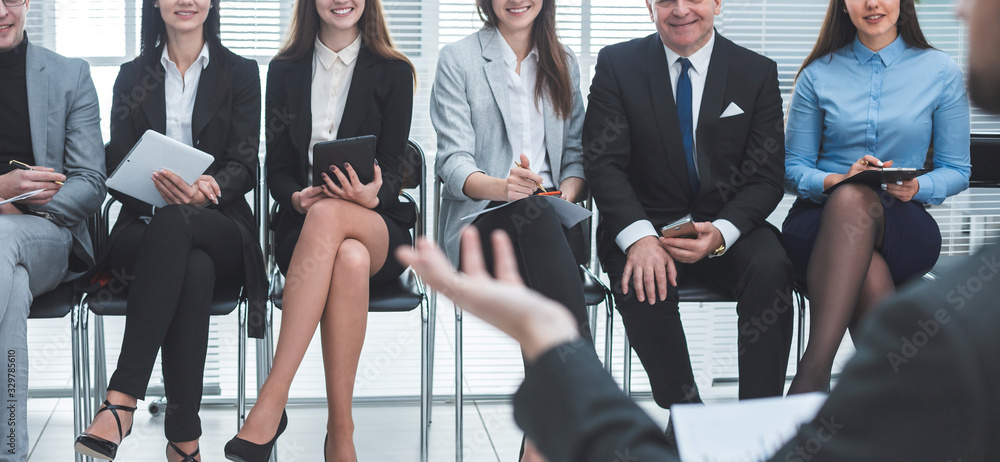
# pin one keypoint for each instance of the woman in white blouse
(508, 112)
(338, 76)
(203, 246)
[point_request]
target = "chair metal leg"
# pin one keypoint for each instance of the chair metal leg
(609, 302)
(79, 396)
(459, 405)
(425, 381)
(100, 363)
(627, 367)
(241, 374)
(265, 348)
(432, 303)
(802, 329)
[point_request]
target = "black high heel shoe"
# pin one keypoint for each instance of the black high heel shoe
(240, 450)
(100, 448)
(324, 446)
(187, 457)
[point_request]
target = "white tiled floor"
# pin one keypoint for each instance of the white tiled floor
(381, 433)
(390, 365)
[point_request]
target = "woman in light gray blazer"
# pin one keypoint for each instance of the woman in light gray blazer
(508, 112)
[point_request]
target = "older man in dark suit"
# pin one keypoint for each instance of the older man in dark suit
(685, 122)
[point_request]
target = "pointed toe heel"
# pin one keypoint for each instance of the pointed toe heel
(240, 450)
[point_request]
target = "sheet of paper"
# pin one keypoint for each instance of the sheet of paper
(569, 213)
(745, 431)
(21, 197)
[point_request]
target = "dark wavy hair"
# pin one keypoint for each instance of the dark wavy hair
(838, 30)
(153, 36)
(553, 76)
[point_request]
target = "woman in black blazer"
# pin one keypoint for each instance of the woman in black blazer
(203, 245)
(337, 77)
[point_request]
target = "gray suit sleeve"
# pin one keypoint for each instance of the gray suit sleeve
(451, 116)
(83, 154)
(572, 158)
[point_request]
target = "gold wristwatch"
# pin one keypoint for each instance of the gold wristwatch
(720, 250)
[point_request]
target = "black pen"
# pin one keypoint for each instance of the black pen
(23, 166)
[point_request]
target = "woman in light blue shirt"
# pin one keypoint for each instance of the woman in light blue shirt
(873, 93)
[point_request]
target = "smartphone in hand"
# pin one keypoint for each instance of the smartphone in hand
(680, 228)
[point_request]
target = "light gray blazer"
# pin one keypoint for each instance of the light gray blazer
(66, 136)
(470, 109)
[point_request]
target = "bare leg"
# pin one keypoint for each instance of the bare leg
(342, 330)
(851, 228)
(307, 288)
(878, 286)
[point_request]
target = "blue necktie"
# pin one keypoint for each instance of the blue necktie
(687, 122)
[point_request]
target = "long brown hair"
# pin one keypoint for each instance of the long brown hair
(838, 30)
(553, 76)
(374, 32)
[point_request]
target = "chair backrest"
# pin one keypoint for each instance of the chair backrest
(414, 178)
(985, 154)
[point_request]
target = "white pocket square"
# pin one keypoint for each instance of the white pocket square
(732, 110)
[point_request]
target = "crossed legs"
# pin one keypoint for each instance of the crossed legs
(847, 277)
(340, 247)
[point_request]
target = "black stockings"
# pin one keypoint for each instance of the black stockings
(847, 277)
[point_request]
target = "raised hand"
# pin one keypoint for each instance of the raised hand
(536, 322)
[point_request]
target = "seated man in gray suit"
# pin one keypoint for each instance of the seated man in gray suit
(50, 123)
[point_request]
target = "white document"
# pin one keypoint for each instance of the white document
(21, 197)
(745, 431)
(152, 153)
(569, 213)
(732, 110)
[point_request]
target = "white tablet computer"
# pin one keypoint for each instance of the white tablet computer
(154, 152)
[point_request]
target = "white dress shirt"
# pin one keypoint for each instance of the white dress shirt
(526, 132)
(180, 93)
(698, 74)
(332, 73)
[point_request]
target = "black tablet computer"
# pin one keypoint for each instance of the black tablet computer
(359, 152)
(874, 178)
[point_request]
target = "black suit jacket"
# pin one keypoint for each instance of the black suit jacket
(923, 386)
(379, 102)
(633, 151)
(225, 123)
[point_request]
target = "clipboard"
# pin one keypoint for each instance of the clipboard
(152, 153)
(874, 178)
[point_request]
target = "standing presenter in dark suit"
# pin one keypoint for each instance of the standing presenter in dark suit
(683, 122)
(203, 245)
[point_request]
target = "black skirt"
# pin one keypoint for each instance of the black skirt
(910, 247)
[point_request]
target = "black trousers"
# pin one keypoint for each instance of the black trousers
(758, 274)
(179, 261)
(545, 252)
